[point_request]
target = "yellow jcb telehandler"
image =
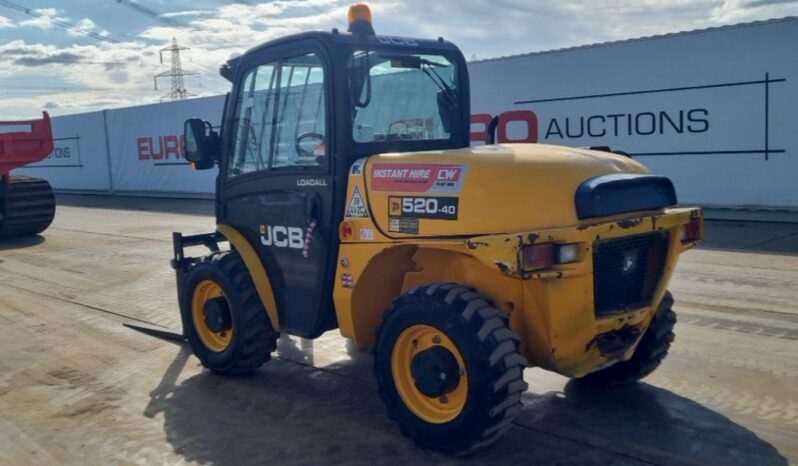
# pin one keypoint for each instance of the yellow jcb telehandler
(350, 199)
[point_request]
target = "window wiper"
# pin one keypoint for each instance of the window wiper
(433, 63)
(436, 78)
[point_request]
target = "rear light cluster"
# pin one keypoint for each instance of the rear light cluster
(691, 231)
(545, 255)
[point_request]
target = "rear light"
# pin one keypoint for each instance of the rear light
(346, 230)
(567, 253)
(691, 231)
(545, 255)
(538, 256)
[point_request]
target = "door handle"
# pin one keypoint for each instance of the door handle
(313, 218)
(313, 209)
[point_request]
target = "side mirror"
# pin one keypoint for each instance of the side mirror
(201, 144)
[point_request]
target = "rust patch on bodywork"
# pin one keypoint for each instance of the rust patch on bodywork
(504, 266)
(474, 244)
(629, 223)
(614, 344)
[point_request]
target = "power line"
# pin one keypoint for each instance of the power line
(154, 14)
(64, 24)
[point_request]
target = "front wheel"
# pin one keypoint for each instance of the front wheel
(650, 352)
(223, 317)
(448, 368)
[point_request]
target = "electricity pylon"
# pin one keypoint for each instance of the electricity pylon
(176, 73)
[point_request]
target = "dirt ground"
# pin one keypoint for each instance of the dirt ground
(76, 387)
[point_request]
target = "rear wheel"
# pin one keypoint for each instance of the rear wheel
(448, 368)
(650, 352)
(223, 317)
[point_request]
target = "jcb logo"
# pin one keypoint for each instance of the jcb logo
(282, 237)
(395, 207)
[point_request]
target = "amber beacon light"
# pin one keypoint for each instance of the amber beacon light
(360, 19)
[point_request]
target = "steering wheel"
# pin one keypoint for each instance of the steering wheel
(302, 152)
(399, 129)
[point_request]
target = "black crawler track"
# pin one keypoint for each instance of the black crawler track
(27, 207)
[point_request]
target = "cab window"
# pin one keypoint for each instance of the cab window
(400, 96)
(280, 117)
(299, 131)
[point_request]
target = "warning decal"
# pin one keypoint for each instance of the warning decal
(357, 208)
(403, 225)
(357, 167)
(439, 178)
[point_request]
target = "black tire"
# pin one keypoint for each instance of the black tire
(489, 350)
(253, 338)
(650, 352)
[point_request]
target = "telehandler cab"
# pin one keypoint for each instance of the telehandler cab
(351, 199)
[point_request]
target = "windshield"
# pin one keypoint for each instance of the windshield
(402, 96)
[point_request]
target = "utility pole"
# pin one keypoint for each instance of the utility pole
(178, 91)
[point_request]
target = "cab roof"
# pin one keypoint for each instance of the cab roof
(335, 38)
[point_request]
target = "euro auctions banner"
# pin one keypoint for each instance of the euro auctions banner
(713, 110)
(146, 147)
(80, 160)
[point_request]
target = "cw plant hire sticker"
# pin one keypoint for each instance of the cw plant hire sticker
(439, 178)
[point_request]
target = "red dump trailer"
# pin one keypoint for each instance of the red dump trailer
(27, 204)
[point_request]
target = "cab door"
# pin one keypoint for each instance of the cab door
(275, 183)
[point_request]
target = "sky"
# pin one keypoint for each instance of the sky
(73, 56)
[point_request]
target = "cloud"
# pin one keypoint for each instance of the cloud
(758, 3)
(46, 18)
(61, 58)
(736, 11)
(119, 77)
(50, 105)
(11, 51)
(111, 66)
(176, 14)
(6, 23)
(81, 27)
(121, 74)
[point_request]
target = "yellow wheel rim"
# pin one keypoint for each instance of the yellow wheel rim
(435, 410)
(214, 341)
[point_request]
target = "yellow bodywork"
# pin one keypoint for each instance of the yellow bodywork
(507, 196)
(505, 188)
(256, 270)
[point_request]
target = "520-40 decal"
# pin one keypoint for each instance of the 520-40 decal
(441, 208)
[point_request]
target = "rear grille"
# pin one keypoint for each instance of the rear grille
(627, 270)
